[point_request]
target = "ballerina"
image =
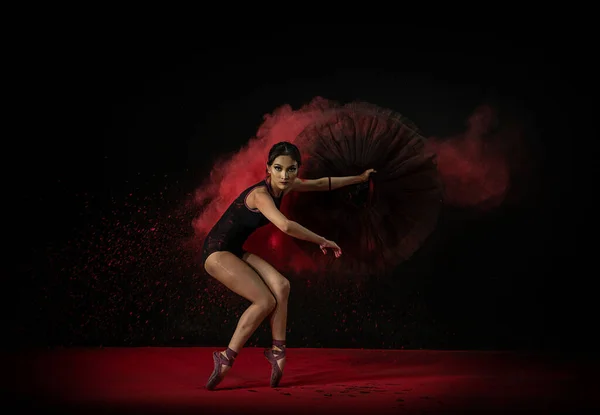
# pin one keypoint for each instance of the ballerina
(252, 277)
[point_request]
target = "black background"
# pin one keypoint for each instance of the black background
(129, 113)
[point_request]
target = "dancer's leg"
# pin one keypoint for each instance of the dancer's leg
(240, 278)
(280, 287)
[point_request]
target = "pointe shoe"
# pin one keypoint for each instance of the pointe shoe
(219, 360)
(273, 356)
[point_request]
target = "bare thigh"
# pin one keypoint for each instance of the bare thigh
(277, 283)
(238, 276)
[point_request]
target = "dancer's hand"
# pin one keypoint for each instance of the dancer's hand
(337, 251)
(365, 176)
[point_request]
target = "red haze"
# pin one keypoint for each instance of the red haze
(473, 166)
(476, 166)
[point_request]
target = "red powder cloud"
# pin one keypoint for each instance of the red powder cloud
(474, 167)
(477, 166)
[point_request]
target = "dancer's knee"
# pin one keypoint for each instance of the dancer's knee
(281, 289)
(266, 304)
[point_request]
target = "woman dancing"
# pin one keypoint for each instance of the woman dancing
(250, 276)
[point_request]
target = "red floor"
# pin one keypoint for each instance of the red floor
(171, 380)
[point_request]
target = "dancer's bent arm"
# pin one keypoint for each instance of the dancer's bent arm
(267, 207)
(265, 204)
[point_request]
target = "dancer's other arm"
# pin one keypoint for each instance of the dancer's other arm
(264, 203)
(322, 184)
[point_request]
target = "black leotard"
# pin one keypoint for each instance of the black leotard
(237, 224)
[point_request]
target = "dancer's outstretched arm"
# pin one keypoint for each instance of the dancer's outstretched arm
(324, 183)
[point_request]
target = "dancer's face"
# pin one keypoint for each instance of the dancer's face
(283, 172)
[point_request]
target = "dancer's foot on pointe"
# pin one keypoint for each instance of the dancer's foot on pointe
(223, 362)
(276, 356)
